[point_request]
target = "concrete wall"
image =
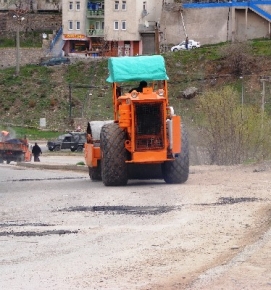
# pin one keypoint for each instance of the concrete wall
(38, 22)
(28, 56)
(212, 25)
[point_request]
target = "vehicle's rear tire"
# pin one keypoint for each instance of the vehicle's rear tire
(177, 171)
(20, 158)
(113, 155)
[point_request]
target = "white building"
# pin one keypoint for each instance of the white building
(111, 27)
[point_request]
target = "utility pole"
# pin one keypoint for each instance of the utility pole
(157, 48)
(18, 18)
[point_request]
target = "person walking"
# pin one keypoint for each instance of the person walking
(36, 151)
(186, 42)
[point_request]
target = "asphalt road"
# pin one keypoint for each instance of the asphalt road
(59, 230)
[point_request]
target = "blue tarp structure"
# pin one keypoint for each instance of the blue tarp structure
(136, 68)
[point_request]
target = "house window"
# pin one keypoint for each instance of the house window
(77, 25)
(117, 5)
(123, 25)
(77, 6)
(70, 5)
(70, 25)
(145, 5)
(97, 25)
(102, 25)
(123, 6)
(116, 25)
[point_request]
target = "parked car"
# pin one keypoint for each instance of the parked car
(74, 141)
(191, 45)
(55, 61)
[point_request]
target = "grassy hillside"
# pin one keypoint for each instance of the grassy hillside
(79, 90)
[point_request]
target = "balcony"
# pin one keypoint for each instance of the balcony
(95, 13)
(95, 32)
(146, 29)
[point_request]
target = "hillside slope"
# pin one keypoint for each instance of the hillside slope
(62, 93)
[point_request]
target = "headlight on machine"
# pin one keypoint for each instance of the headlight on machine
(161, 92)
(134, 94)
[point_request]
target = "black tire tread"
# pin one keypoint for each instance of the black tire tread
(177, 171)
(113, 167)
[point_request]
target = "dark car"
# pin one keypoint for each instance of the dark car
(55, 61)
(74, 141)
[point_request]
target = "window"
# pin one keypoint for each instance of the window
(116, 25)
(77, 25)
(70, 25)
(123, 6)
(97, 25)
(102, 25)
(116, 5)
(123, 25)
(145, 5)
(70, 5)
(77, 6)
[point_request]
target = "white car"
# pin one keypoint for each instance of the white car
(191, 44)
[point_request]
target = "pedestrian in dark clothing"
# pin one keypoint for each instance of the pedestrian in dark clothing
(36, 151)
(142, 84)
(186, 42)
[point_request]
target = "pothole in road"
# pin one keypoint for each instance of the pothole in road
(44, 179)
(35, 233)
(132, 210)
(232, 200)
(17, 224)
(153, 210)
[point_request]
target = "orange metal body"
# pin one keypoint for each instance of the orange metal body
(20, 148)
(92, 155)
(125, 116)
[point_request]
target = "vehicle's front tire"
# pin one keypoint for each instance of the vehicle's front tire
(79, 149)
(113, 155)
(177, 171)
(175, 49)
(57, 148)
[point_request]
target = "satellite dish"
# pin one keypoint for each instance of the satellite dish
(44, 35)
(147, 23)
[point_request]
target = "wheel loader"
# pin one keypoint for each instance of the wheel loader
(145, 139)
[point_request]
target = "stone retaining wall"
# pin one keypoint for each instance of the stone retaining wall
(28, 56)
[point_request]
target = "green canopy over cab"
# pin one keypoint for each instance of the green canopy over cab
(136, 68)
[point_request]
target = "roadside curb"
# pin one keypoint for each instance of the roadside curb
(79, 168)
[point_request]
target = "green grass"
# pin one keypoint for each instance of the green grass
(37, 93)
(27, 39)
(30, 133)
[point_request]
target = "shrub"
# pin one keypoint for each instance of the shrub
(238, 57)
(232, 133)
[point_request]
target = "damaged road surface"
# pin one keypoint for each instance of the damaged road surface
(59, 230)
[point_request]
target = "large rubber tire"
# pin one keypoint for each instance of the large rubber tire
(177, 171)
(80, 148)
(57, 148)
(113, 166)
(95, 172)
(20, 158)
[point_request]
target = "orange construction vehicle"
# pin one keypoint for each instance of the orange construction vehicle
(146, 139)
(15, 150)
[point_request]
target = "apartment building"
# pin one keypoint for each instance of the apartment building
(110, 27)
